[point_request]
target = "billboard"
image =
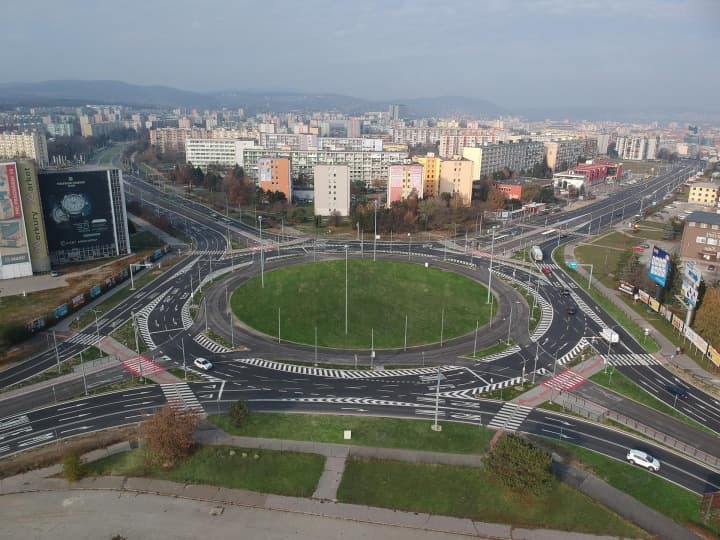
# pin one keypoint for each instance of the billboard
(77, 210)
(14, 256)
(659, 266)
(32, 210)
(691, 281)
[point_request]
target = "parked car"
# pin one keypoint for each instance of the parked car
(677, 390)
(711, 268)
(55, 274)
(645, 245)
(638, 248)
(203, 363)
(643, 459)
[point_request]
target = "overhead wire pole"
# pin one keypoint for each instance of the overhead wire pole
(137, 345)
(346, 289)
(492, 252)
(57, 355)
(436, 426)
(375, 233)
(262, 260)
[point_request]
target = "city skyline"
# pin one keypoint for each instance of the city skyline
(516, 54)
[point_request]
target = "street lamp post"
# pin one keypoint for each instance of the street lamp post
(492, 252)
(409, 245)
(346, 290)
(97, 325)
(375, 232)
(262, 259)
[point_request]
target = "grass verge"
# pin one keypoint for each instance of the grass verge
(472, 493)
(366, 431)
(125, 334)
(267, 471)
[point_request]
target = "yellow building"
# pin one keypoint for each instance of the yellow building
(431, 174)
(456, 177)
(705, 193)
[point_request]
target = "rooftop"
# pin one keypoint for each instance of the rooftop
(704, 217)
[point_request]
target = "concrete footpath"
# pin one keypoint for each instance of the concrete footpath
(38, 502)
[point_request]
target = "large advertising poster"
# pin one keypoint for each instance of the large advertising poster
(659, 266)
(77, 209)
(13, 242)
(691, 281)
(32, 209)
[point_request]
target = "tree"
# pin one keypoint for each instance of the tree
(168, 435)
(496, 199)
(519, 465)
(73, 468)
(673, 282)
(707, 318)
(238, 413)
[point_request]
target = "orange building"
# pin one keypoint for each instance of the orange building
(274, 175)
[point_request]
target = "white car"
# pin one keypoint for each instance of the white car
(203, 363)
(643, 459)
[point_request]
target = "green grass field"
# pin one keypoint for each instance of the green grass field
(380, 295)
(366, 431)
(284, 473)
(471, 493)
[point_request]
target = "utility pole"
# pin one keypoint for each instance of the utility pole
(492, 252)
(137, 345)
(375, 234)
(57, 355)
(82, 368)
(262, 261)
(405, 345)
(436, 426)
(182, 344)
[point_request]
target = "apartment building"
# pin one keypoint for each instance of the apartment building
(403, 180)
(31, 144)
(637, 148)
(701, 237)
(705, 193)
(456, 178)
(274, 175)
(431, 174)
(227, 152)
(170, 139)
(564, 154)
(516, 156)
(331, 190)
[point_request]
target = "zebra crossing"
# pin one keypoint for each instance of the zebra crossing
(565, 381)
(546, 311)
(141, 366)
(498, 355)
(472, 393)
(633, 360)
(142, 317)
(344, 373)
(577, 349)
(187, 321)
(210, 345)
(510, 416)
(83, 339)
(180, 396)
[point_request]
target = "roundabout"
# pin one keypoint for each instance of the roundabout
(386, 304)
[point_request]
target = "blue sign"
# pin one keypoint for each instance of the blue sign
(572, 264)
(659, 266)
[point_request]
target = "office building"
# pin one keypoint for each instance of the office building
(274, 175)
(32, 145)
(404, 179)
(701, 237)
(331, 190)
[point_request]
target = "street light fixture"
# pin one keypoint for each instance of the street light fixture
(346, 289)
(375, 233)
(262, 260)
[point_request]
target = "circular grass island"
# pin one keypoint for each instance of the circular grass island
(310, 298)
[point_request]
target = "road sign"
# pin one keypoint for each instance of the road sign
(572, 264)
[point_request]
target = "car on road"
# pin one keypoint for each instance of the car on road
(677, 390)
(427, 246)
(546, 271)
(55, 274)
(565, 292)
(572, 310)
(203, 363)
(643, 459)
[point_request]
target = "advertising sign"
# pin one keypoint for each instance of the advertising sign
(654, 304)
(626, 288)
(32, 210)
(713, 355)
(677, 322)
(644, 297)
(691, 281)
(659, 266)
(696, 339)
(13, 242)
(77, 210)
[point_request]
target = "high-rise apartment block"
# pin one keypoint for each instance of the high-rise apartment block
(226, 152)
(404, 179)
(456, 178)
(564, 154)
(31, 145)
(637, 148)
(516, 156)
(274, 175)
(170, 139)
(332, 190)
(431, 174)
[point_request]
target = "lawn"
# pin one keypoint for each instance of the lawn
(667, 498)
(471, 493)
(617, 382)
(145, 240)
(267, 471)
(366, 431)
(125, 334)
(492, 349)
(438, 304)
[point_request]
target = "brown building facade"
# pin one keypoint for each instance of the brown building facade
(701, 237)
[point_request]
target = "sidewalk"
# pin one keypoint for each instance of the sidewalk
(138, 365)
(667, 348)
(318, 506)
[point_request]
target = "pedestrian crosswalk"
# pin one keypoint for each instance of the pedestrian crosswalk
(180, 396)
(565, 381)
(498, 355)
(546, 318)
(510, 416)
(570, 355)
(142, 319)
(344, 373)
(187, 321)
(210, 345)
(141, 366)
(633, 360)
(83, 339)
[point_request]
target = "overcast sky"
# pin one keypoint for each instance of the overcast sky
(516, 53)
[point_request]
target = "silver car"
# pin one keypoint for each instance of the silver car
(643, 459)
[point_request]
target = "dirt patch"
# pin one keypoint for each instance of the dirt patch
(51, 454)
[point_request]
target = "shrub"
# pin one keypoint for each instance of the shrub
(168, 436)
(520, 466)
(238, 413)
(73, 468)
(15, 333)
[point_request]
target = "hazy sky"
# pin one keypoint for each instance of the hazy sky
(517, 53)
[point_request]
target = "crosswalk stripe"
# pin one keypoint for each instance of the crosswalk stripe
(633, 360)
(567, 380)
(83, 339)
(510, 416)
(142, 366)
(210, 345)
(180, 396)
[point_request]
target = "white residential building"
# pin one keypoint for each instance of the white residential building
(332, 190)
(637, 148)
(228, 152)
(31, 145)
(516, 156)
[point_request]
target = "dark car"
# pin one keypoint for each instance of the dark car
(571, 310)
(677, 390)
(565, 292)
